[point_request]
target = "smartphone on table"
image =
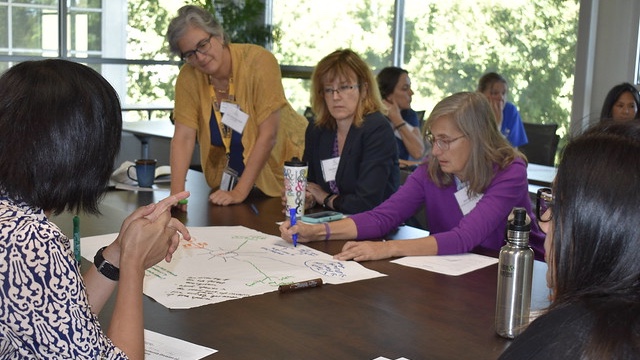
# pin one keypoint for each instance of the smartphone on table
(322, 216)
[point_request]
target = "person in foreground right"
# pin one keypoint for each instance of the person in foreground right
(591, 249)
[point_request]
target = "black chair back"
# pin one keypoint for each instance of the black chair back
(543, 143)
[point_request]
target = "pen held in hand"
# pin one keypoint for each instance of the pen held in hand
(300, 285)
(292, 216)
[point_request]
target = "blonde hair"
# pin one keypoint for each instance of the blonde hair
(344, 63)
(473, 116)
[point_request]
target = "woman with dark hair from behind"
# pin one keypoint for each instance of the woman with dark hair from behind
(621, 103)
(60, 126)
(395, 89)
(592, 251)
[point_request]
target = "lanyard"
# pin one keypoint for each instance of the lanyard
(225, 131)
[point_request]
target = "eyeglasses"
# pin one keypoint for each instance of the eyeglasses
(442, 144)
(202, 48)
(544, 202)
(329, 91)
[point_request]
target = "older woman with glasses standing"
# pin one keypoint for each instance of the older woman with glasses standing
(471, 182)
(350, 147)
(591, 221)
(230, 97)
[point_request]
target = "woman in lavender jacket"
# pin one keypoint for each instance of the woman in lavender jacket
(469, 185)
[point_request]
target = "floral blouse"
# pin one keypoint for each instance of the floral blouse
(44, 309)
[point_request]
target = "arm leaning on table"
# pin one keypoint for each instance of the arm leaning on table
(182, 146)
(266, 140)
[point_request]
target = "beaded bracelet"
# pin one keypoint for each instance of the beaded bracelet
(327, 230)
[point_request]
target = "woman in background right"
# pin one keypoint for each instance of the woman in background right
(592, 251)
(621, 104)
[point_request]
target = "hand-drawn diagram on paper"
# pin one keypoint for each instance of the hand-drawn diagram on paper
(230, 262)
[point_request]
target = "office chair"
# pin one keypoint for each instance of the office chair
(543, 143)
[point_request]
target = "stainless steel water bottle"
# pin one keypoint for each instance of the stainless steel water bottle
(515, 270)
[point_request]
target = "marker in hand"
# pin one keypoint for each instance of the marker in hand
(292, 216)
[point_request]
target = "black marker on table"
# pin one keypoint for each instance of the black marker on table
(300, 285)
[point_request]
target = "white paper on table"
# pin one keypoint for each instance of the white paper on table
(162, 347)
(121, 186)
(223, 263)
(448, 264)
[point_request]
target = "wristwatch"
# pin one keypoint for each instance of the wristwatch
(325, 202)
(104, 267)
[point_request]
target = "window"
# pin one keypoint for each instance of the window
(123, 40)
(447, 45)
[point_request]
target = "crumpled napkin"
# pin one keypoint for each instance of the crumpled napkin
(120, 174)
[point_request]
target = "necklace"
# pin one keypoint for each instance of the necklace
(221, 91)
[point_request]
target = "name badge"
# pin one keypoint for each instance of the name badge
(229, 179)
(330, 168)
(466, 203)
(234, 118)
(226, 106)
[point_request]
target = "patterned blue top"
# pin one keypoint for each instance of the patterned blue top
(44, 310)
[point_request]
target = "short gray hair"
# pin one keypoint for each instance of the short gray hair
(193, 16)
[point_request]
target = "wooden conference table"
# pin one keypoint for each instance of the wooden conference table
(409, 313)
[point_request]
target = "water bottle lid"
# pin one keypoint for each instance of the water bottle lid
(295, 162)
(519, 221)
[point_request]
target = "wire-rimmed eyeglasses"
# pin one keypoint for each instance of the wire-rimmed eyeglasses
(342, 88)
(201, 48)
(544, 202)
(442, 144)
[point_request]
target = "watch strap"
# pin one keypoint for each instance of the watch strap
(325, 202)
(104, 267)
